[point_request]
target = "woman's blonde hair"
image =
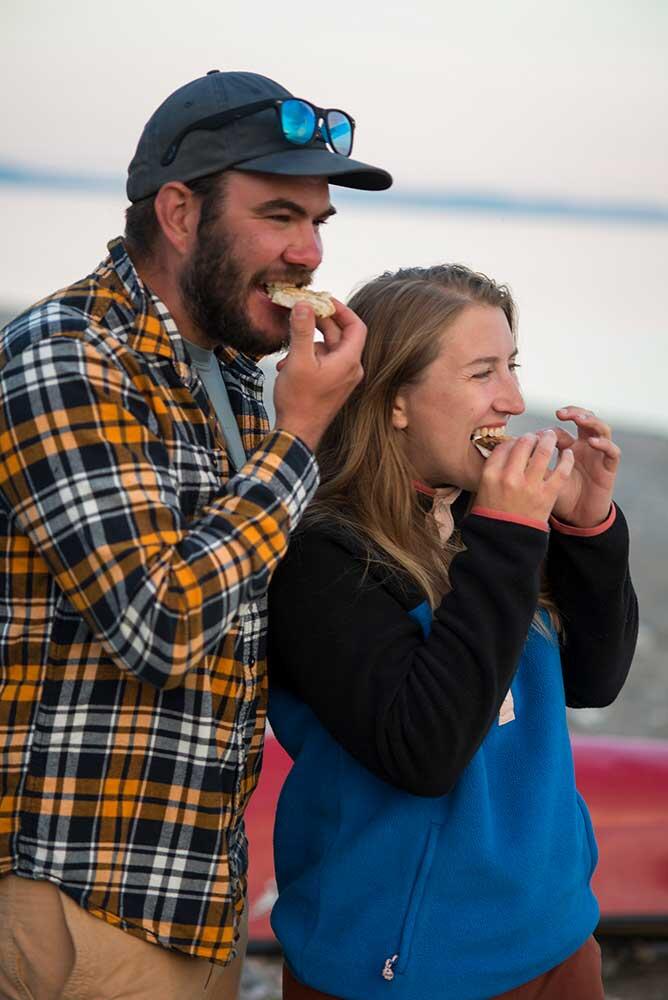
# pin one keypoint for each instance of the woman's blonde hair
(366, 477)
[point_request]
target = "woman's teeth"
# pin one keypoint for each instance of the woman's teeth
(486, 432)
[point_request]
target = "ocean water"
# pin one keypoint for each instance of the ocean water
(591, 293)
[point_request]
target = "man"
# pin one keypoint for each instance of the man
(144, 506)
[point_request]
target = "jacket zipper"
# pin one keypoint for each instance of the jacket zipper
(388, 970)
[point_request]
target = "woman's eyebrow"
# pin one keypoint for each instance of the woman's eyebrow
(492, 359)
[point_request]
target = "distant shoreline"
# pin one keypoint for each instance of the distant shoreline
(617, 211)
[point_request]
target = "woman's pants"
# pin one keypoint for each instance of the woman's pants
(578, 978)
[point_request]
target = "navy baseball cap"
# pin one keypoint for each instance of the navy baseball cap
(252, 143)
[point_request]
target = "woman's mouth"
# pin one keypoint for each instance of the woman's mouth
(485, 439)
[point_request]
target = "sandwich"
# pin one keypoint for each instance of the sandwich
(485, 439)
(287, 295)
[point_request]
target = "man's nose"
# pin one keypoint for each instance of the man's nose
(305, 248)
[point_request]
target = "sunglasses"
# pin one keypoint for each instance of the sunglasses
(300, 123)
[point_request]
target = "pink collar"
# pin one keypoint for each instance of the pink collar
(443, 498)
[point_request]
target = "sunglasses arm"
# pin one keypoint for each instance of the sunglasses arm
(211, 124)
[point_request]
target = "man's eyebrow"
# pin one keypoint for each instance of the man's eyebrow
(286, 205)
(492, 359)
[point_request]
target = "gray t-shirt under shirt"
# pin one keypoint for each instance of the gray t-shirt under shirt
(208, 369)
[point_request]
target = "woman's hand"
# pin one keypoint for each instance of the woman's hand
(517, 479)
(587, 494)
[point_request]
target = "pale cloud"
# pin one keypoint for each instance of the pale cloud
(566, 98)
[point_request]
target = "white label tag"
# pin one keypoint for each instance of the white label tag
(507, 713)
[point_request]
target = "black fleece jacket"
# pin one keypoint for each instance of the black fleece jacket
(413, 710)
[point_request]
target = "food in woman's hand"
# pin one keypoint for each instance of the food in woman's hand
(289, 295)
(485, 439)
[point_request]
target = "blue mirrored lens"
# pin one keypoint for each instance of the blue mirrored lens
(340, 132)
(297, 121)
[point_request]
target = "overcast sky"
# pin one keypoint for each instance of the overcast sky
(564, 98)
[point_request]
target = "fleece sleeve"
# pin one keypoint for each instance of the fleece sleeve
(589, 579)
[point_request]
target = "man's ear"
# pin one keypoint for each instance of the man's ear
(400, 413)
(178, 209)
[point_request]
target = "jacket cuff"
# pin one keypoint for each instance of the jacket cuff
(597, 529)
(500, 515)
(287, 466)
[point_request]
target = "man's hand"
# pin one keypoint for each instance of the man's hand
(517, 478)
(315, 379)
(586, 497)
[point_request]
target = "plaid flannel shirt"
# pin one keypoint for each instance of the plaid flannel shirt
(133, 587)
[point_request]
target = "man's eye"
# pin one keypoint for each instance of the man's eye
(514, 365)
(484, 374)
(279, 218)
(320, 222)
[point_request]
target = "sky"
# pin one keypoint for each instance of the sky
(533, 98)
(523, 100)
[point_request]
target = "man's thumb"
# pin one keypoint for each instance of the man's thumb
(302, 325)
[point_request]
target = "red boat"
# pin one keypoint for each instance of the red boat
(625, 784)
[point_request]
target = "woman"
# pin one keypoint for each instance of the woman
(428, 631)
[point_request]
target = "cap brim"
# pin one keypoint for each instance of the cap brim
(311, 162)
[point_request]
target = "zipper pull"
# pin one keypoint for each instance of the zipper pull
(388, 971)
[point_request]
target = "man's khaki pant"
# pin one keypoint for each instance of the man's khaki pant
(52, 949)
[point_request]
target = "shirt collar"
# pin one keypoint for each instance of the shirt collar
(154, 330)
(242, 366)
(126, 273)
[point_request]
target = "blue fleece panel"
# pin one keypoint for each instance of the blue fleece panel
(476, 892)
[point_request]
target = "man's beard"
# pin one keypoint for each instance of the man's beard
(214, 293)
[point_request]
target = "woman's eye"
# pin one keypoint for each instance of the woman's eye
(514, 365)
(484, 374)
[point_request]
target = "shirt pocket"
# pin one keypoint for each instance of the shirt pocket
(200, 474)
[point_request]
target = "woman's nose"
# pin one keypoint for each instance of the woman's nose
(511, 399)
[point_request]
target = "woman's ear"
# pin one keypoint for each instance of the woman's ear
(399, 413)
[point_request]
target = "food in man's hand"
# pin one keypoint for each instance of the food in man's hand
(289, 295)
(485, 439)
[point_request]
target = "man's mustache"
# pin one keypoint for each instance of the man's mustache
(290, 276)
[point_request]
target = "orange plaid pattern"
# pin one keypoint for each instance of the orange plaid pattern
(133, 578)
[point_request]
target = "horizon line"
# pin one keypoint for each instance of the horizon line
(446, 200)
